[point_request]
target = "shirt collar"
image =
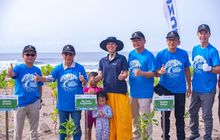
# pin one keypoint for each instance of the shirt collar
(116, 56)
(72, 66)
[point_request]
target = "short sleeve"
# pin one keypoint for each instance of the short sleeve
(124, 64)
(39, 73)
(16, 70)
(187, 63)
(100, 65)
(54, 72)
(193, 53)
(158, 61)
(83, 72)
(215, 58)
(151, 63)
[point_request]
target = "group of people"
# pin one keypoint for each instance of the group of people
(117, 117)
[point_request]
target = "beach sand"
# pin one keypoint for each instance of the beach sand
(46, 131)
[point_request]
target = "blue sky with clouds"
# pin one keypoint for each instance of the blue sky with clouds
(51, 24)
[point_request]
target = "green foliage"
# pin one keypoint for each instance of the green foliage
(186, 115)
(191, 70)
(11, 83)
(54, 94)
(54, 91)
(53, 118)
(3, 81)
(46, 70)
(70, 128)
(54, 115)
(100, 83)
(52, 85)
(145, 121)
(156, 80)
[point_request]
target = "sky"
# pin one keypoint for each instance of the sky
(51, 24)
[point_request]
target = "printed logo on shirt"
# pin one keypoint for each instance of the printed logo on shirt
(134, 65)
(68, 81)
(114, 63)
(197, 63)
(173, 68)
(28, 83)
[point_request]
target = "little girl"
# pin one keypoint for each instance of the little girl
(91, 89)
(102, 115)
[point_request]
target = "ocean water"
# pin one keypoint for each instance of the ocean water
(89, 60)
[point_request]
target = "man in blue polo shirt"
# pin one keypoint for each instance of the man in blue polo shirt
(141, 79)
(173, 69)
(28, 91)
(71, 77)
(206, 66)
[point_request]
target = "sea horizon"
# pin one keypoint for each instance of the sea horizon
(89, 60)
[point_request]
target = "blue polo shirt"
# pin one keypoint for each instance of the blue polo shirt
(140, 86)
(175, 64)
(25, 87)
(204, 82)
(111, 70)
(68, 84)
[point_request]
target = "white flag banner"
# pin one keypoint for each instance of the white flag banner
(170, 12)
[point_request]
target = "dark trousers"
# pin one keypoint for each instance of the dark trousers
(76, 116)
(179, 115)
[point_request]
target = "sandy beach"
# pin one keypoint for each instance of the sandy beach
(46, 131)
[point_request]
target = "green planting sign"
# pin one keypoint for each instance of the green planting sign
(164, 103)
(8, 102)
(85, 102)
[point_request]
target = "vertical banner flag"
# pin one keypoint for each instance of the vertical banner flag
(170, 12)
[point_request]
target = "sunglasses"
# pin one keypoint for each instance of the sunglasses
(30, 54)
(66, 53)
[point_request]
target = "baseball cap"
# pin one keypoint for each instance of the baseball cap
(203, 27)
(29, 48)
(69, 49)
(173, 34)
(137, 35)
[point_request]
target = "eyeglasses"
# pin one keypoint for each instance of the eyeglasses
(30, 54)
(66, 53)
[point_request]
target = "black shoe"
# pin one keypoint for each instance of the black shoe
(166, 137)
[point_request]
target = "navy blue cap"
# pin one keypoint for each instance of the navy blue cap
(29, 48)
(203, 27)
(173, 34)
(137, 35)
(69, 49)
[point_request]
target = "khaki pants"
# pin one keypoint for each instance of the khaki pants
(32, 113)
(138, 107)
